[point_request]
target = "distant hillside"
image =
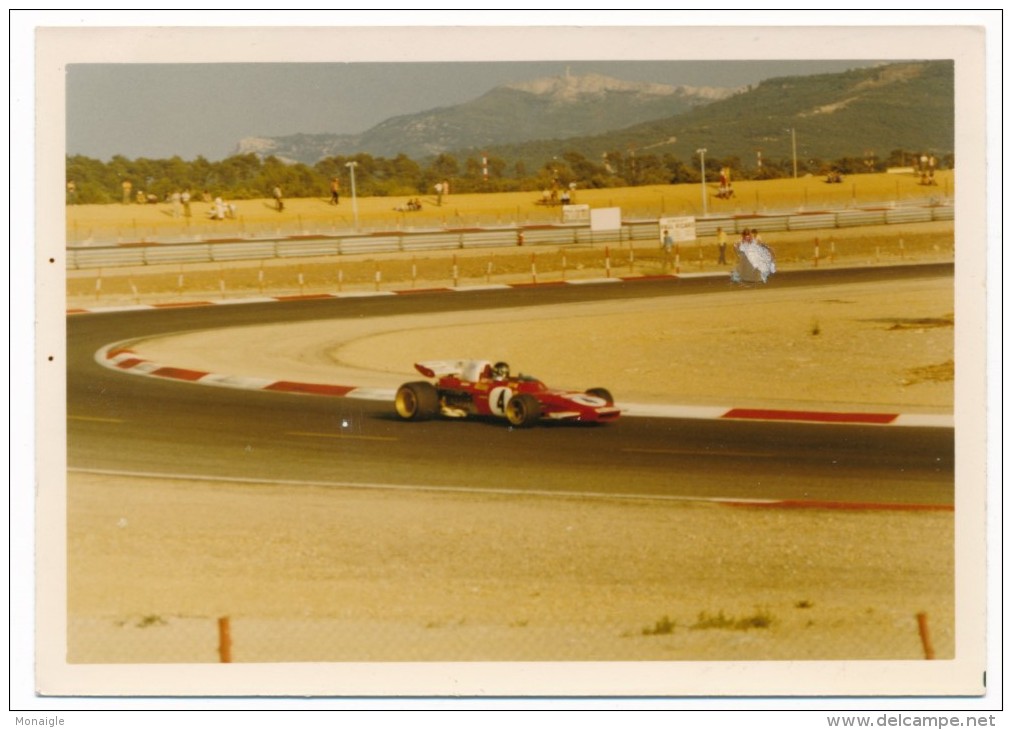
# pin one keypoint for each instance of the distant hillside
(549, 108)
(879, 109)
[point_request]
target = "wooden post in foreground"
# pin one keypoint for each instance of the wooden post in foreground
(922, 626)
(224, 640)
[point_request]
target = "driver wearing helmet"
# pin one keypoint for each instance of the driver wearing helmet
(501, 371)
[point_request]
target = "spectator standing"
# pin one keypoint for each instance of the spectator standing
(721, 246)
(71, 192)
(127, 191)
(335, 191)
(439, 193)
(185, 199)
(278, 202)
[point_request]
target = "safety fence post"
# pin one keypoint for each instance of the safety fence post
(224, 640)
(922, 627)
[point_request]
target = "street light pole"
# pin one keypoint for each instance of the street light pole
(702, 169)
(794, 152)
(354, 200)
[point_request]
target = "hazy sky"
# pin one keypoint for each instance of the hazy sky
(161, 110)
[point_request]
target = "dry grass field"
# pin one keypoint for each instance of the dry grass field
(122, 223)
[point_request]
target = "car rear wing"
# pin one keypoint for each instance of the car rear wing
(466, 369)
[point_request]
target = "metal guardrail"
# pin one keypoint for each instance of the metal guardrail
(573, 234)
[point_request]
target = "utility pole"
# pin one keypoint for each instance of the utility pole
(794, 152)
(702, 169)
(354, 200)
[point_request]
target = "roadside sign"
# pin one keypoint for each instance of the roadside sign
(680, 229)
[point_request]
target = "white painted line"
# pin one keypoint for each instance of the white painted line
(362, 294)
(247, 300)
(927, 420)
(480, 287)
(706, 275)
(124, 308)
(601, 280)
(236, 381)
(430, 488)
(372, 394)
(145, 366)
(648, 410)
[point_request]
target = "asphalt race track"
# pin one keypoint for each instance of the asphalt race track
(142, 425)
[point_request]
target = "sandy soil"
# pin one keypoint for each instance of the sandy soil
(313, 574)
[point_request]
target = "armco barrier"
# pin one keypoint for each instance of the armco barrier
(943, 213)
(431, 242)
(811, 222)
(851, 218)
(489, 239)
(908, 215)
(569, 234)
(307, 248)
(370, 244)
(229, 251)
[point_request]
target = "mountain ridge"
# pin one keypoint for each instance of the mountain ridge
(554, 107)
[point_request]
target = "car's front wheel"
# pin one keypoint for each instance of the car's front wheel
(417, 401)
(523, 410)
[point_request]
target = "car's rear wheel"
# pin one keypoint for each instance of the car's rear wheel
(417, 401)
(523, 410)
(603, 394)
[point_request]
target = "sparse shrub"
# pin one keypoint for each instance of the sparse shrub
(759, 620)
(150, 620)
(661, 627)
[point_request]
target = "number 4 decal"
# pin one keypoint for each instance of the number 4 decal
(497, 400)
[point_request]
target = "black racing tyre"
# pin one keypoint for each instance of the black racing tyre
(603, 394)
(523, 410)
(417, 401)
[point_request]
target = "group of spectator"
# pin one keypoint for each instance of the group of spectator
(413, 204)
(927, 169)
(557, 195)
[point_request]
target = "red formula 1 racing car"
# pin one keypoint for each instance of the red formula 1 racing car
(479, 388)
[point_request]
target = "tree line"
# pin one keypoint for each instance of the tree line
(249, 176)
